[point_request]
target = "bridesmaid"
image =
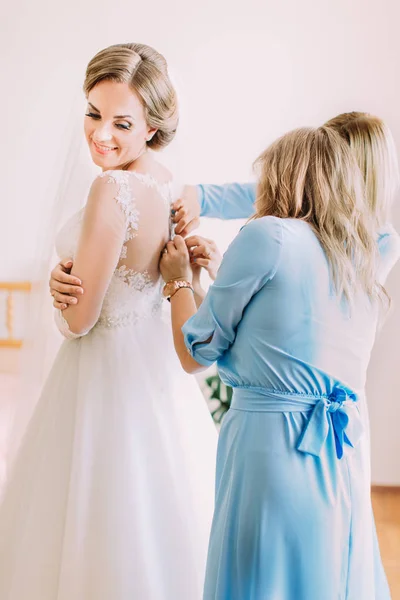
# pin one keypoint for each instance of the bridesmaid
(291, 321)
(372, 144)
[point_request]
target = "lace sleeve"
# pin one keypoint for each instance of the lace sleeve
(109, 220)
(63, 327)
(124, 199)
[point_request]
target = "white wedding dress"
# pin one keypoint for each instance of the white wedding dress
(111, 493)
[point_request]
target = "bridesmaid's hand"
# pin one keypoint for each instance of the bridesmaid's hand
(186, 211)
(204, 253)
(64, 287)
(175, 261)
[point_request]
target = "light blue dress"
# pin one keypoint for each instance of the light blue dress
(227, 201)
(236, 201)
(293, 517)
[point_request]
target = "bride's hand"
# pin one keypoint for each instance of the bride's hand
(64, 287)
(175, 261)
(204, 253)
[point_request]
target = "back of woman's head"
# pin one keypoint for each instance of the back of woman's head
(372, 144)
(311, 174)
(145, 71)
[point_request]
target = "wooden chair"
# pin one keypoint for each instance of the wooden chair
(11, 288)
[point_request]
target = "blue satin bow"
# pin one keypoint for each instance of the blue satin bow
(337, 412)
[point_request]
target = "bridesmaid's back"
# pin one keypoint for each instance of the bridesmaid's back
(296, 327)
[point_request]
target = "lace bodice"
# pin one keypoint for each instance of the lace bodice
(134, 290)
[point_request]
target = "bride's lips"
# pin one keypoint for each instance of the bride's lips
(103, 150)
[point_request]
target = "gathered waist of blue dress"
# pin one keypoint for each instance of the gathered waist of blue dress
(257, 399)
(335, 412)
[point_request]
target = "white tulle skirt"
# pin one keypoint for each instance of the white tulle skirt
(111, 495)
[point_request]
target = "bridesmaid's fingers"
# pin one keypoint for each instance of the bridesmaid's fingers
(170, 247)
(180, 244)
(176, 207)
(180, 225)
(184, 230)
(202, 262)
(202, 250)
(179, 215)
(194, 240)
(197, 241)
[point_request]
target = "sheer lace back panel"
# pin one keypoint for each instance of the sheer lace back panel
(134, 292)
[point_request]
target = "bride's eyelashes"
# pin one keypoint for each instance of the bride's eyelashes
(125, 126)
(93, 116)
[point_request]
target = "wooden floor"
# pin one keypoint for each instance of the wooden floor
(386, 503)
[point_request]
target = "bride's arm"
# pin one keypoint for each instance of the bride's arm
(101, 240)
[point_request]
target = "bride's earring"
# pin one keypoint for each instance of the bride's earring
(151, 135)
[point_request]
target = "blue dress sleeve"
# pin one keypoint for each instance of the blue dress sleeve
(229, 201)
(250, 262)
(389, 251)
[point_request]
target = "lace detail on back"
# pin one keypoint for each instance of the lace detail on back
(132, 294)
(130, 298)
(125, 200)
(135, 279)
(164, 189)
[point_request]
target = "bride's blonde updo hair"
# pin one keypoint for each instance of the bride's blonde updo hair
(145, 70)
(373, 146)
(312, 174)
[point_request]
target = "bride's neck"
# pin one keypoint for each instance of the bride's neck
(143, 161)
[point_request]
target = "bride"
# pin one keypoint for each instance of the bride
(111, 494)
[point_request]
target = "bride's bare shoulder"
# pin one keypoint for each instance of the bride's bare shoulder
(153, 168)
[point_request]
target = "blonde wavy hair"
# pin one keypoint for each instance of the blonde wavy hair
(145, 71)
(373, 146)
(312, 175)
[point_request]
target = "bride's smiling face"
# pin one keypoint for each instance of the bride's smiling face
(115, 125)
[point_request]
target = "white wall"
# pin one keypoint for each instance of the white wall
(246, 73)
